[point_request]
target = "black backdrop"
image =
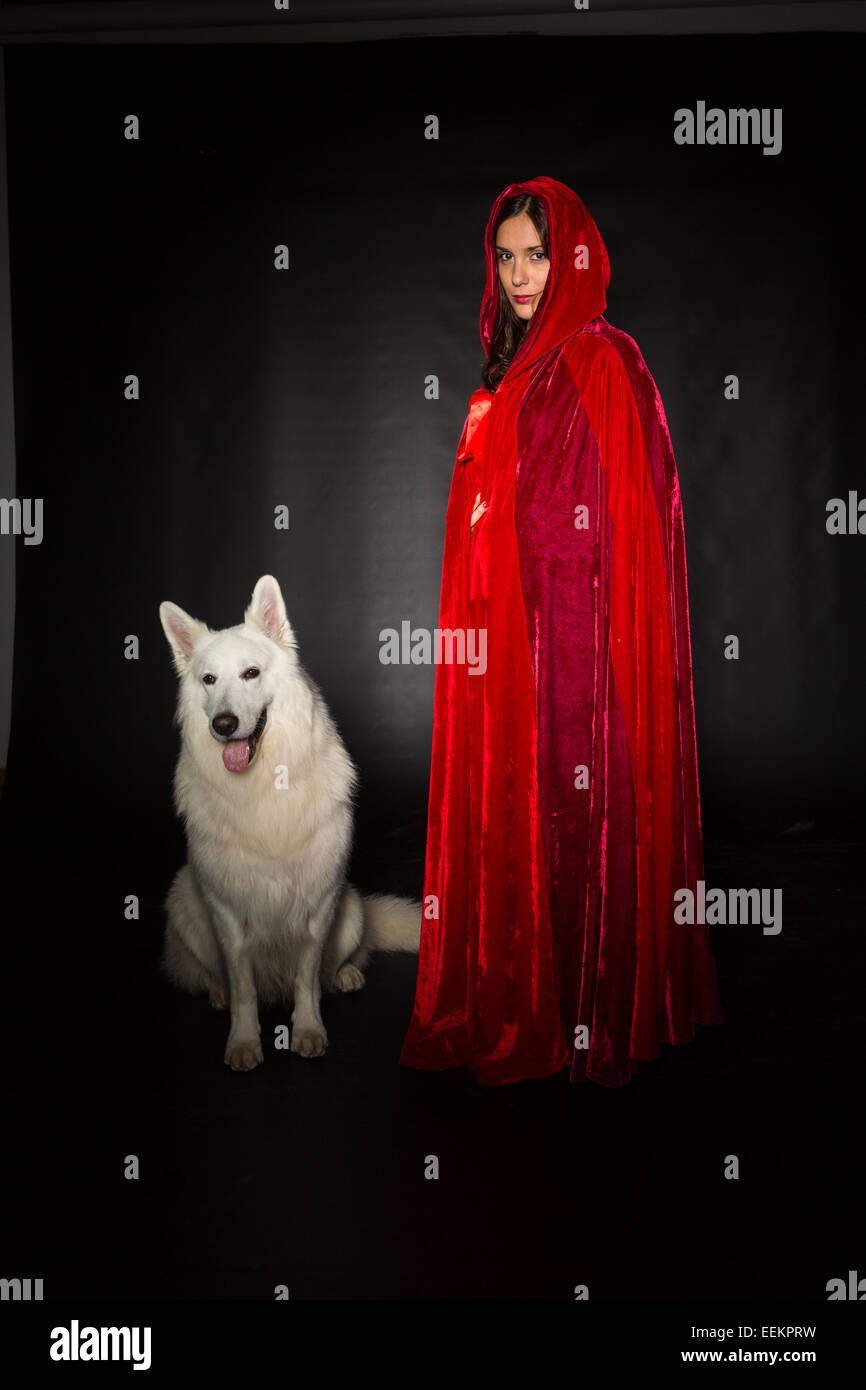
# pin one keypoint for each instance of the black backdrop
(307, 388)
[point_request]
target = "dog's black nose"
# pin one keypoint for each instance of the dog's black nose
(224, 724)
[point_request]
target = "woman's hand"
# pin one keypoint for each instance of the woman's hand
(480, 508)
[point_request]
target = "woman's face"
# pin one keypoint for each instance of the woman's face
(523, 266)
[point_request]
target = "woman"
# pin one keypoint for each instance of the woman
(563, 809)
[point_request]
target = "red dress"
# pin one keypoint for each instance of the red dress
(564, 808)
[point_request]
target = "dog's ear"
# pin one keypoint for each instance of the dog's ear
(268, 612)
(182, 631)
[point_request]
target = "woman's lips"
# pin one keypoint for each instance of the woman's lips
(523, 298)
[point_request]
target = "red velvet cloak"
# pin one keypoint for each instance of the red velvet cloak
(549, 895)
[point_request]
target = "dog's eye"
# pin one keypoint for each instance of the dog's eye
(250, 673)
(209, 679)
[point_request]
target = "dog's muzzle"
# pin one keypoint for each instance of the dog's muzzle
(238, 753)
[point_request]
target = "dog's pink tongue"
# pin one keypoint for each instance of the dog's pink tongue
(236, 754)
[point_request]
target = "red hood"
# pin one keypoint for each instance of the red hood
(571, 297)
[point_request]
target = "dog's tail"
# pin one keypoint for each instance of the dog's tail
(391, 923)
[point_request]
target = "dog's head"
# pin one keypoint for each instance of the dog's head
(233, 668)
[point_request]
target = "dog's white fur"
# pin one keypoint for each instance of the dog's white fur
(262, 909)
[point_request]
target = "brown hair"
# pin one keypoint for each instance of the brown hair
(511, 330)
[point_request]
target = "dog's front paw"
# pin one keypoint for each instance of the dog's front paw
(349, 977)
(243, 1054)
(309, 1040)
(217, 999)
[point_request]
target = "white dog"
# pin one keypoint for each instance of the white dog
(262, 909)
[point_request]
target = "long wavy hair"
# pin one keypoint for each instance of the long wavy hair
(511, 330)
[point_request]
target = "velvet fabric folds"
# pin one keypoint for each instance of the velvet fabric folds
(564, 807)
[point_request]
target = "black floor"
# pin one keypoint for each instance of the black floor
(310, 1173)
